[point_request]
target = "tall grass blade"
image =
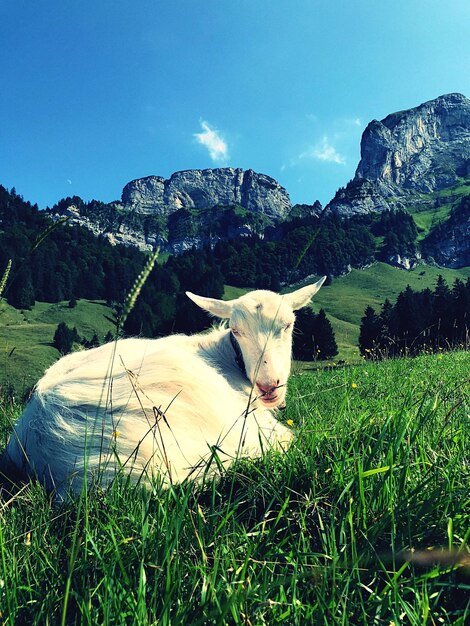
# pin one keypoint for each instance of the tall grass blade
(133, 294)
(4, 279)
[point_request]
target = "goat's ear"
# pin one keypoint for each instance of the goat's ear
(300, 298)
(218, 308)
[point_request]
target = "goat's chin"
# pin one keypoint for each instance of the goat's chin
(274, 401)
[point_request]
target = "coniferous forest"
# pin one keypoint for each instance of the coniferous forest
(419, 321)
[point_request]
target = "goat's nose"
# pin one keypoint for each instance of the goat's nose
(267, 388)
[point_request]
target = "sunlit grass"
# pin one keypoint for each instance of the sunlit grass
(26, 348)
(320, 534)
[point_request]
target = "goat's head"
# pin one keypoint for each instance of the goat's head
(262, 323)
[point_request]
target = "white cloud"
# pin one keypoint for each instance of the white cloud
(323, 151)
(356, 121)
(211, 139)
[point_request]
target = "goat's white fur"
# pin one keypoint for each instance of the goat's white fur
(163, 406)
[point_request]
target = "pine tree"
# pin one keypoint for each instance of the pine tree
(385, 338)
(64, 338)
(108, 337)
(303, 345)
(461, 311)
(94, 342)
(407, 320)
(369, 333)
(324, 337)
(442, 316)
(21, 291)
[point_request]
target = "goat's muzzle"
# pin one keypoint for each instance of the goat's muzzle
(271, 395)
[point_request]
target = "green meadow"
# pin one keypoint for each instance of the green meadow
(365, 520)
(26, 337)
(427, 219)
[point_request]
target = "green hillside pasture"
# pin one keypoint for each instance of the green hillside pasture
(26, 336)
(364, 521)
(230, 293)
(346, 299)
(426, 219)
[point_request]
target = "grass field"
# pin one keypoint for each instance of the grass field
(365, 520)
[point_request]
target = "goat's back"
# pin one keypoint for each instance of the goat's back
(139, 406)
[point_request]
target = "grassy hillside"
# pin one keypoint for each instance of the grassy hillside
(26, 348)
(363, 521)
(347, 297)
(445, 199)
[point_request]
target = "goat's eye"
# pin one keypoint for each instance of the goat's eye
(287, 326)
(236, 332)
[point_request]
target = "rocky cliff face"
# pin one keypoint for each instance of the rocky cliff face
(417, 151)
(423, 149)
(192, 208)
(201, 189)
(449, 243)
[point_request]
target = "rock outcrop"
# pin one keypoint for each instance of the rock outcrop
(449, 243)
(201, 189)
(411, 152)
(191, 208)
(302, 211)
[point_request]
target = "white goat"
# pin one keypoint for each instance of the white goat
(163, 406)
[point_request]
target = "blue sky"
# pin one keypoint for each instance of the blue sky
(96, 93)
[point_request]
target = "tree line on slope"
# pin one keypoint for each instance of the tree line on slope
(51, 263)
(419, 321)
(305, 246)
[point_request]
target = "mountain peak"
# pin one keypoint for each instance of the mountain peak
(419, 150)
(201, 189)
(423, 149)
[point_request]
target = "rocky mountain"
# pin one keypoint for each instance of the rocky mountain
(409, 153)
(416, 160)
(302, 211)
(202, 189)
(192, 207)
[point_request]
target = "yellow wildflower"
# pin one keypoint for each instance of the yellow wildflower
(290, 422)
